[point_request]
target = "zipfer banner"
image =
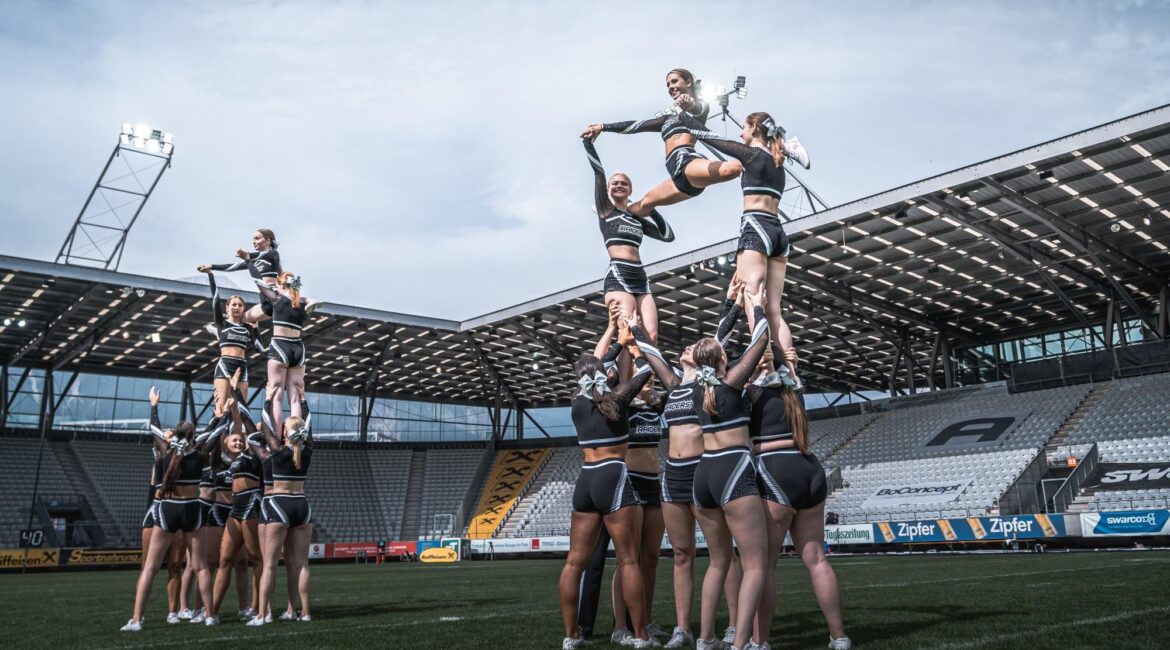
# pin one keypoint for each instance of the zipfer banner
(1133, 522)
(971, 529)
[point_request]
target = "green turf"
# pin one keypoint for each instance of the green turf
(1085, 600)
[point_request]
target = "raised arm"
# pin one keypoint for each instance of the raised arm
(216, 301)
(629, 389)
(157, 435)
(654, 225)
(256, 437)
(731, 311)
(741, 373)
(655, 360)
(600, 184)
(208, 441)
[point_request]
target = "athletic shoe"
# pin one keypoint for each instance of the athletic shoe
(211, 620)
(752, 645)
(304, 619)
(656, 631)
(840, 644)
(255, 622)
(570, 643)
(796, 153)
(199, 617)
(729, 635)
(247, 614)
(713, 644)
(186, 614)
(268, 619)
(173, 618)
(132, 626)
(622, 636)
(680, 639)
(288, 616)
(639, 644)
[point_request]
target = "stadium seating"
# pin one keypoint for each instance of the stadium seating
(121, 472)
(446, 479)
(545, 508)
(1129, 408)
(16, 484)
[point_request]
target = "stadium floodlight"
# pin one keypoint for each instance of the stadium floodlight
(21, 323)
(722, 259)
(740, 87)
(7, 322)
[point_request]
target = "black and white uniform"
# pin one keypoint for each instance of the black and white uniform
(645, 433)
(206, 482)
(222, 479)
(786, 476)
(620, 228)
(292, 510)
(262, 266)
(148, 521)
(289, 351)
(724, 475)
(605, 486)
(670, 123)
(758, 231)
(172, 513)
(241, 336)
(246, 503)
(678, 477)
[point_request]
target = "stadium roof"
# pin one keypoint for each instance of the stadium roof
(1052, 237)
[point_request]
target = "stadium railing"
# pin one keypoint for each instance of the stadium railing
(1072, 484)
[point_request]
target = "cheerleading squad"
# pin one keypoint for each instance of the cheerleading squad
(738, 458)
(232, 497)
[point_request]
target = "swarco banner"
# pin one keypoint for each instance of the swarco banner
(1130, 476)
(971, 529)
(916, 493)
(1134, 522)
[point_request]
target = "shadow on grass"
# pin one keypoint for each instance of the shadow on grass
(807, 629)
(375, 608)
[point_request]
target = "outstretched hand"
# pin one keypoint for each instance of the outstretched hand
(735, 288)
(591, 132)
(203, 268)
(625, 336)
(154, 396)
(755, 299)
(241, 253)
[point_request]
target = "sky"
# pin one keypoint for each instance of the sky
(424, 157)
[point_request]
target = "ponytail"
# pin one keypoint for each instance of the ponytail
(184, 431)
(709, 400)
(797, 418)
(588, 365)
(606, 404)
(776, 146)
(296, 447)
(766, 129)
(294, 292)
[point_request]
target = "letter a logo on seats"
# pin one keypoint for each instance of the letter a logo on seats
(973, 432)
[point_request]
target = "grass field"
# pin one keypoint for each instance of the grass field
(1057, 600)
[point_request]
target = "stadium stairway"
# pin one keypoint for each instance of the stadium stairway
(1052, 448)
(414, 491)
(85, 486)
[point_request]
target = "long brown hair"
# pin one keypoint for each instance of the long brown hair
(294, 294)
(293, 423)
(797, 418)
(685, 74)
(270, 236)
(183, 431)
(708, 352)
(756, 121)
(587, 365)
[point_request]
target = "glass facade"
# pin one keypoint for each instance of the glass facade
(980, 367)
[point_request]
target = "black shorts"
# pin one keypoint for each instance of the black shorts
(174, 515)
(603, 487)
(246, 504)
(676, 166)
(678, 479)
(646, 488)
(151, 517)
(292, 510)
(723, 476)
(290, 352)
(791, 478)
(626, 277)
(215, 515)
(226, 366)
(763, 232)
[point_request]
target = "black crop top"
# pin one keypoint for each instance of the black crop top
(618, 227)
(284, 313)
(223, 477)
(593, 428)
(668, 123)
(190, 467)
(207, 478)
(769, 415)
(645, 426)
(231, 335)
(245, 466)
(283, 468)
(760, 174)
(732, 405)
(260, 265)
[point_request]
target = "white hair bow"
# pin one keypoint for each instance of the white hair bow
(706, 375)
(180, 445)
(598, 382)
(782, 377)
(772, 129)
(298, 435)
(293, 282)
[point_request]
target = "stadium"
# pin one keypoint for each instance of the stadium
(983, 357)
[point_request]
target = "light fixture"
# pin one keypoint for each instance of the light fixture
(127, 129)
(740, 87)
(708, 93)
(1146, 220)
(1001, 255)
(722, 259)
(125, 334)
(21, 323)
(7, 322)
(155, 337)
(142, 136)
(1116, 227)
(140, 293)
(535, 365)
(126, 292)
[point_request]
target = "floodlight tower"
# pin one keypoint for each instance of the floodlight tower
(799, 200)
(98, 235)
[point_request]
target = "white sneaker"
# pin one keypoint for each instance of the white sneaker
(211, 620)
(304, 619)
(199, 617)
(268, 619)
(656, 631)
(570, 643)
(680, 639)
(752, 645)
(795, 152)
(840, 644)
(288, 616)
(713, 644)
(729, 635)
(247, 613)
(132, 626)
(255, 622)
(638, 644)
(186, 614)
(622, 636)
(173, 618)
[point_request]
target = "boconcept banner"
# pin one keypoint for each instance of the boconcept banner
(916, 493)
(1130, 476)
(971, 529)
(1133, 522)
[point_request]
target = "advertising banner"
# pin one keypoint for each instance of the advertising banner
(971, 529)
(1134, 522)
(1130, 476)
(849, 534)
(317, 551)
(506, 481)
(439, 554)
(37, 558)
(101, 557)
(917, 493)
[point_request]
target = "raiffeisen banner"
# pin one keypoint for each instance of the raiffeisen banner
(1133, 522)
(971, 529)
